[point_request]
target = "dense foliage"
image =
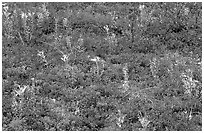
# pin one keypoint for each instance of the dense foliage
(101, 66)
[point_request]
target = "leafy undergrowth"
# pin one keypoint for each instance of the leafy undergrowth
(101, 72)
(161, 93)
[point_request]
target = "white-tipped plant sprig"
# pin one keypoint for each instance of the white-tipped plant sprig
(144, 121)
(120, 119)
(126, 81)
(97, 60)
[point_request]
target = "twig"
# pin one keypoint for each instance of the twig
(21, 38)
(54, 47)
(31, 33)
(97, 67)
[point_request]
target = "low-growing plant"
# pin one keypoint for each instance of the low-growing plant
(101, 66)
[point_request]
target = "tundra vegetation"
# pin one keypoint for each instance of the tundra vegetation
(101, 66)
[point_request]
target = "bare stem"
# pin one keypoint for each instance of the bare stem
(97, 67)
(21, 38)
